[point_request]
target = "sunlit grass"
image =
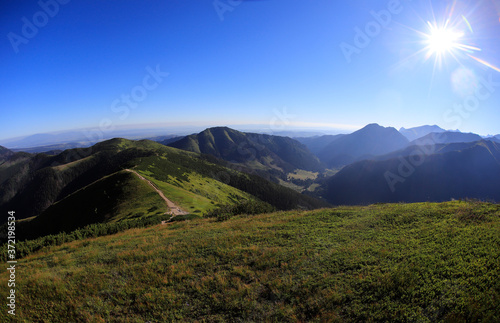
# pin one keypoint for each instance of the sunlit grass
(388, 262)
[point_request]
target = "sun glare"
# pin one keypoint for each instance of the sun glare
(442, 40)
(449, 40)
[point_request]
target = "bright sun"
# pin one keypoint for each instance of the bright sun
(451, 39)
(442, 40)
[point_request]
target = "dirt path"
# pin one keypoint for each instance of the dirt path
(174, 209)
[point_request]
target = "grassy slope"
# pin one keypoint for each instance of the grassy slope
(217, 183)
(123, 195)
(113, 198)
(192, 191)
(406, 262)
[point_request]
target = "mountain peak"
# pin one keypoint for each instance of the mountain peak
(376, 128)
(254, 150)
(372, 126)
(371, 140)
(219, 128)
(418, 132)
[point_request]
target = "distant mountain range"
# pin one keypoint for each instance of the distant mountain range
(165, 140)
(371, 160)
(446, 137)
(317, 143)
(365, 143)
(41, 140)
(429, 149)
(494, 138)
(418, 132)
(87, 137)
(53, 149)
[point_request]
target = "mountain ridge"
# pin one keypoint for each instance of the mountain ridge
(418, 132)
(258, 151)
(446, 137)
(371, 140)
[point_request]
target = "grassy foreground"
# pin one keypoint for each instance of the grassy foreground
(397, 262)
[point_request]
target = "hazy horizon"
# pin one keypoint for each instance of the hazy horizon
(186, 128)
(70, 65)
(143, 131)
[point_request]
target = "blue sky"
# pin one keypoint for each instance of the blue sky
(269, 62)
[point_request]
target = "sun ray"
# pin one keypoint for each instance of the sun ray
(468, 24)
(485, 63)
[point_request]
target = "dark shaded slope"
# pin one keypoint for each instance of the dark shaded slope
(168, 141)
(108, 199)
(423, 150)
(5, 154)
(471, 173)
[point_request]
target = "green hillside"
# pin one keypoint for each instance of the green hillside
(114, 198)
(206, 179)
(423, 262)
(77, 188)
(275, 154)
(34, 183)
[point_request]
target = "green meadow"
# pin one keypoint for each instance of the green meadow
(425, 262)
